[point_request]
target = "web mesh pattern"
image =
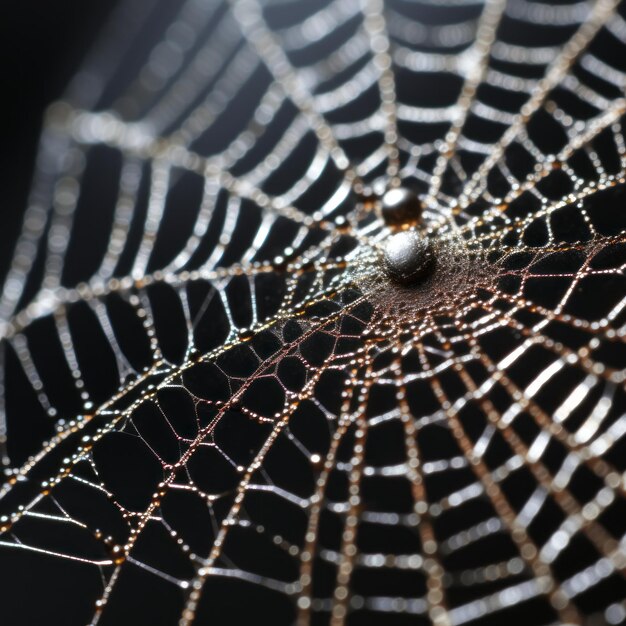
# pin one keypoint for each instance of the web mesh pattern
(211, 389)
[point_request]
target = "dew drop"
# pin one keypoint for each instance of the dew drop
(401, 206)
(408, 257)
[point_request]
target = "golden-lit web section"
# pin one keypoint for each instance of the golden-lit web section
(317, 313)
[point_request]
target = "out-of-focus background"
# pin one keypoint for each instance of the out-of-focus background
(41, 46)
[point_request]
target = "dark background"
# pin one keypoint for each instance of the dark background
(41, 45)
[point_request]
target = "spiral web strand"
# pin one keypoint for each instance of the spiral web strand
(210, 387)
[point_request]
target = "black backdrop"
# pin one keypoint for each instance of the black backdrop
(41, 45)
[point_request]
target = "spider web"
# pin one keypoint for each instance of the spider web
(216, 406)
